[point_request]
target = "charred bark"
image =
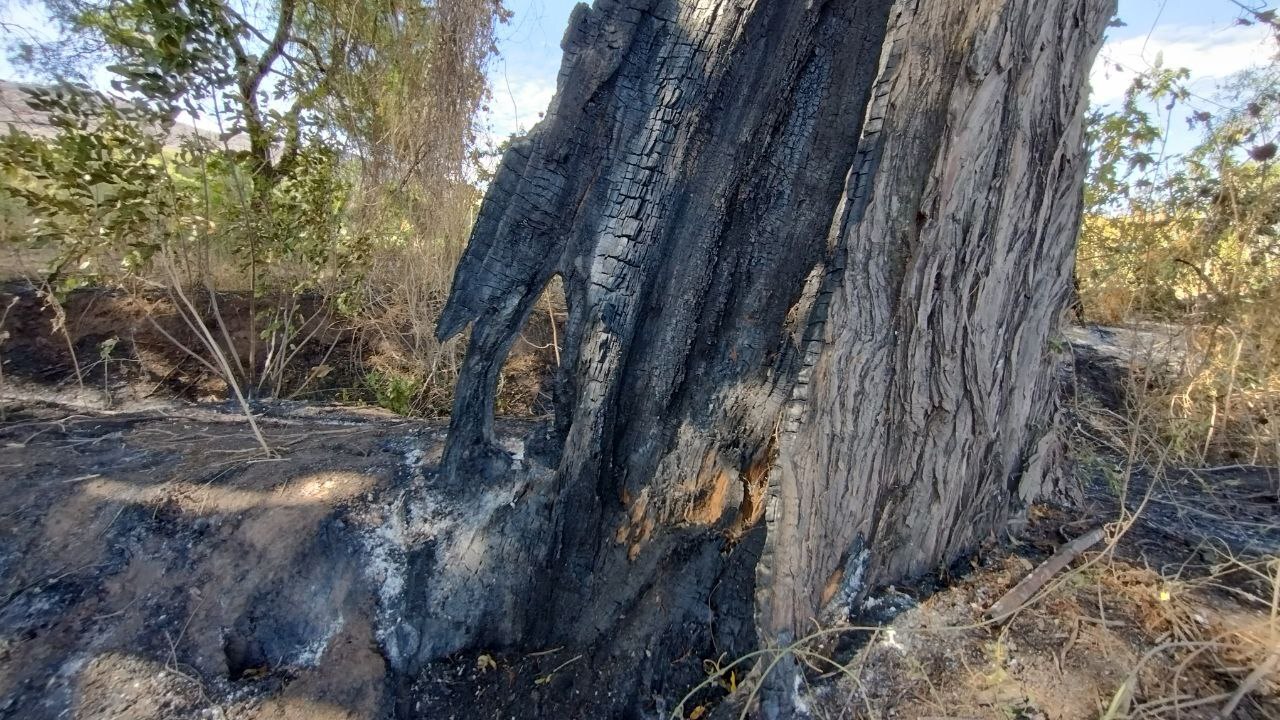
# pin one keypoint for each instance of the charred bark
(813, 253)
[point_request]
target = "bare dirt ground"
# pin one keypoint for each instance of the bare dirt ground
(154, 565)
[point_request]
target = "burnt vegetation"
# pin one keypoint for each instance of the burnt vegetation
(825, 359)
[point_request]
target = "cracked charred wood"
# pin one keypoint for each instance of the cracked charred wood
(813, 254)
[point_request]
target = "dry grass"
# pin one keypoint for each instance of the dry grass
(1108, 639)
(1140, 627)
(1223, 404)
(1218, 400)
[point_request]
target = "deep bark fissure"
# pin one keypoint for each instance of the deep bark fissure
(812, 255)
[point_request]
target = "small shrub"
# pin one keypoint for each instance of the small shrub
(393, 391)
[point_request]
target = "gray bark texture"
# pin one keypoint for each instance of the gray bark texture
(813, 255)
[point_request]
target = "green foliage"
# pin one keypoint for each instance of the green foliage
(201, 56)
(1170, 234)
(394, 391)
(98, 187)
(174, 53)
(1194, 239)
(342, 123)
(341, 170)
(1123, 142)
(109, 196)
(302, 232)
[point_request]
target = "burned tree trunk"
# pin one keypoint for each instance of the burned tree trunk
(813, 253)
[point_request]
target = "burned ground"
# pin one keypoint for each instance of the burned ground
(154, 565)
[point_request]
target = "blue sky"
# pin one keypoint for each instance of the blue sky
(523, 77)
(1200, 35)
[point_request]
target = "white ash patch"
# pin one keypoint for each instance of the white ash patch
(413, 459)
(797, 696)
(310, 655)
(419, 516)
(392, 535)
(515, 446)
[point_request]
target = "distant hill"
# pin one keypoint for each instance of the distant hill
(15, 111)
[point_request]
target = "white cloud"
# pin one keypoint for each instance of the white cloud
(518, 101)
(1211, 53)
